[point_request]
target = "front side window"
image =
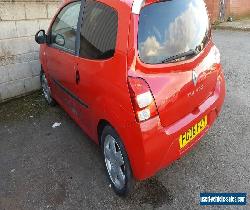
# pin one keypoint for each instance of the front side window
(64, 28)
(171, 28)
(98, 32)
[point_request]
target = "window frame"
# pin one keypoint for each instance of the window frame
(80, 23)
(72, 52)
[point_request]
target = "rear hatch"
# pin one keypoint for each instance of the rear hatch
(176, 56)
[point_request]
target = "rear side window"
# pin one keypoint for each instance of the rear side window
(63, 31)
(171, 28)
(99, 31)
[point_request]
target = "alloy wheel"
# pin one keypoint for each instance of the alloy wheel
(114, 162)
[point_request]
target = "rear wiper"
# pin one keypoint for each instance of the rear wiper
(181, 55)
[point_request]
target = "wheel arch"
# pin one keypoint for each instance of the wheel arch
(101, 125)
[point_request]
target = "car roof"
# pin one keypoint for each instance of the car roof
(134, 5)
(127, 2)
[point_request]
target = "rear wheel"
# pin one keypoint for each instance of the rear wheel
(46, 89)
(116, 162)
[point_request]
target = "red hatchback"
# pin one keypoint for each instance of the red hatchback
(141, 77)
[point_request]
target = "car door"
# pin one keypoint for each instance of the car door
(97, 59)
(61, 56)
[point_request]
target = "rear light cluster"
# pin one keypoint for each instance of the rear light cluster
(142, 99)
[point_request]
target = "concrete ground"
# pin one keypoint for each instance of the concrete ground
(238, 25)
(60, 168)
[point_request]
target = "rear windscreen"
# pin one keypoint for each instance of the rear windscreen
(170, 28)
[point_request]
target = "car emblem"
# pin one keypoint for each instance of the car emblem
(194, 77)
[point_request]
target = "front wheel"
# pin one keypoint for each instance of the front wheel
(116, 162)
(46, 89)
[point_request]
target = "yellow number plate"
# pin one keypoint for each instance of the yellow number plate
(188, 136)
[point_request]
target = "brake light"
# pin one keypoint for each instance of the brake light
(142, 99)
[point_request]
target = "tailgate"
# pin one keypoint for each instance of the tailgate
(181, 92)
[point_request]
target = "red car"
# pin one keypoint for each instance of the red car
(141, 77)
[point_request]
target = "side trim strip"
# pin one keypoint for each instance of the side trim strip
(70, 94)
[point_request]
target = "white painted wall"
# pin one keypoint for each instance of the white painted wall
(19, 65)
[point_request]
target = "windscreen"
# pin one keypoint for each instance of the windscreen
(170, 28)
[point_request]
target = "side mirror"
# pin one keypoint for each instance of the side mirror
(41, 37)
(59, 40)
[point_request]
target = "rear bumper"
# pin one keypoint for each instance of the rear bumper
(160, 145)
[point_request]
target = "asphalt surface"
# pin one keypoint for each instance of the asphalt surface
(60, 168)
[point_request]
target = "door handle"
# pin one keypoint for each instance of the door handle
(77, 77)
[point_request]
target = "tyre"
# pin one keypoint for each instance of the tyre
(116, 161)
(46, 89)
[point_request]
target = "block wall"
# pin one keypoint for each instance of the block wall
(19, 65)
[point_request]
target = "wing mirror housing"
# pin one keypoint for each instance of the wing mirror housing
(41, 37)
